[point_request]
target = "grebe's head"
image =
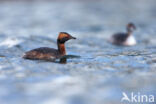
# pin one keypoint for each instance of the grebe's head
(63, 37)
(131, 27)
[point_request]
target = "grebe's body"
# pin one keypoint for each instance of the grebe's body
(125, 39)
(45, 53)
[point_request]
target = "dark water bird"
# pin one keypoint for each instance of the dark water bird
(45, 53)
(125, 39)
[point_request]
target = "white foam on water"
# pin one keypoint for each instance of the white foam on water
(10, 42)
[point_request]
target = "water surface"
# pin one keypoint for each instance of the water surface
(101, 72)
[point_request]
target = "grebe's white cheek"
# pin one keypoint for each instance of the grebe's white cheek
(131, 41)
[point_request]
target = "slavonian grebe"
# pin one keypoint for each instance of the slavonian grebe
(125, 39)
(45, 53)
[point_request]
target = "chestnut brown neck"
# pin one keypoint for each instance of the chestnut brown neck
(61, 48)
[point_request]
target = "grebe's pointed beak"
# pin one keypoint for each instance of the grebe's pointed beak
(71, 37)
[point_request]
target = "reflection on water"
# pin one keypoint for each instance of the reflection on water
(93, 71)
(64, 59)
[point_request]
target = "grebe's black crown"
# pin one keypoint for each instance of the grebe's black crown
(64, 33)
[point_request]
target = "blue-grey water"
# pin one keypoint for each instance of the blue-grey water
(100, 74)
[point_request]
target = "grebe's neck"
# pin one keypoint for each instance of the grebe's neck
(129, 32)
(61, 48)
